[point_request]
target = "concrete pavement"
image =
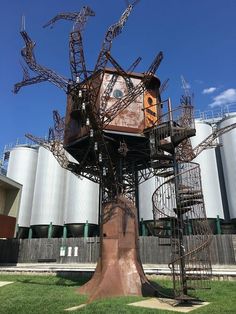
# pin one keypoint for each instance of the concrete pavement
(218, 271)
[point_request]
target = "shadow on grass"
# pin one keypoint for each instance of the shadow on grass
(162, 290)
(76, 277)
(61, 279)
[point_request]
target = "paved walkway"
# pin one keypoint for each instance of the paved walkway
(150, 269)
(169, 304)
(4, 283)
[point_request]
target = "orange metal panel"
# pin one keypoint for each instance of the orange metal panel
(150, 108)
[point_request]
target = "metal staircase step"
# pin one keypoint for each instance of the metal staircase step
(166, 146)
(189, 203)
(160, 165)
(189, 191)
(188, 197)
(182, 210)
(166, 174)
(162, 130)
(182, 135)
(161, 156)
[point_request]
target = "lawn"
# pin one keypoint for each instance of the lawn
(51, 294)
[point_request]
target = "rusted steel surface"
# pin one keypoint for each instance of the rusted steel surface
(119, 271)
(132, 116)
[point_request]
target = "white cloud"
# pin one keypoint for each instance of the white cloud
(226, 97)
(209, 90)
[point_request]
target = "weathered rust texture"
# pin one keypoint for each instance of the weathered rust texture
(132, 117)
(119, 270)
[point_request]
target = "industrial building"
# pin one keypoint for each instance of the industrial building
(54, 202)
(10, 197)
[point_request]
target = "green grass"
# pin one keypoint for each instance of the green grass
(51, 295)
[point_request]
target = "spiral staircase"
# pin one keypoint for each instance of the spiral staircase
(178, 206)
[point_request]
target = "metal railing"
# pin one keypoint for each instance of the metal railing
(216, 113)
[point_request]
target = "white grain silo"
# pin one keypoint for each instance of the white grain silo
(81, 205)
(209, 173)
(48, 201)
(22, 168)
(145, 192)
(228, 156)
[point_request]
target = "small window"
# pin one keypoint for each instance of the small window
(117, 93)
(150, 101)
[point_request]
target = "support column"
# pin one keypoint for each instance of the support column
(30, 233)
(86, 229)
(143, 228)
(50, 227)
(218, 226)
(64, 232)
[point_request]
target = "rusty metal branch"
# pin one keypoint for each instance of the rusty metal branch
(26, 82)
(79, 18)
(76, 52)
(49, 75)
(134, 64)
(112, 32)
(121, 72)
(164, 86)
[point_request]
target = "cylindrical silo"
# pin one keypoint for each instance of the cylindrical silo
(145, 192)
(228, 156)
(209, 173)
(22, 168)
(81, 205)
(48, 202)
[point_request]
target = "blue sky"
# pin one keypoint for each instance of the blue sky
(198, 39)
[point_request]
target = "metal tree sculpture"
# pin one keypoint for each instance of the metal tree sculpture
(102, 157)
(120, 142)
